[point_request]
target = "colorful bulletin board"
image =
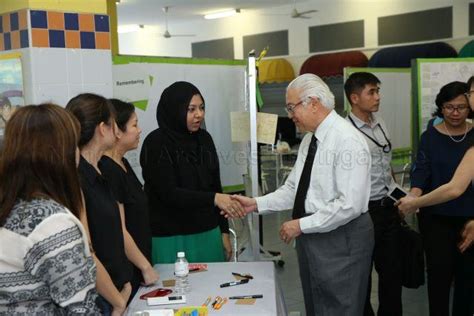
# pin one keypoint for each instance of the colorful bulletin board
(11, 87)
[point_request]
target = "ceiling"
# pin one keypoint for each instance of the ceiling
(149, 12)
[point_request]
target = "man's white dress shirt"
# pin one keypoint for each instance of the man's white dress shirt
(339, 189)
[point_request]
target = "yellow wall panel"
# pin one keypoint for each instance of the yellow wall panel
(13, 5)
(112, 13)
(90, 6)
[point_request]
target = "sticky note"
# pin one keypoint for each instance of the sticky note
(169, 283)
(246, 301)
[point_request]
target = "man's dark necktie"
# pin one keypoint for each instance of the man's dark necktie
(303, 185)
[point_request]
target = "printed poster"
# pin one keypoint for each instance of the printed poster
(11, 87)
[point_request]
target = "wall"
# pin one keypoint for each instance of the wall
(97, 6)
(148, 41)
(58, 74)
(63, 53)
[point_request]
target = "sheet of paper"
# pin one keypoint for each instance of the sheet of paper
(240, 126)
(266, 127)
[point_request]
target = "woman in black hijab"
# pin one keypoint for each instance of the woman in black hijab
(182, 180)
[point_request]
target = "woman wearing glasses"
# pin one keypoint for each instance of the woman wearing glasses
(456, 187)
(440, 151)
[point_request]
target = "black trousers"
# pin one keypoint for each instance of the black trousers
(386, 259)
(444, 263)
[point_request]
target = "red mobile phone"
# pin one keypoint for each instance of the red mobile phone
(156, 293)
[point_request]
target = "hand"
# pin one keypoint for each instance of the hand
(406, 205)
(118, 311)
(290, 230)
(229, 207)
(249, 204)
(227, 246)
(467, 236)
(150, 276)
(125, 294)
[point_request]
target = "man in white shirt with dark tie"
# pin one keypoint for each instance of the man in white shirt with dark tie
(363, 92)
(328, 190)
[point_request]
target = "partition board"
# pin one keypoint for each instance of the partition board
(222, 84)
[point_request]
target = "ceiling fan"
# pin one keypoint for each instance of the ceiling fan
(167, 33)
(295, 14)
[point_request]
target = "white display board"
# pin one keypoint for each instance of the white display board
(222, 86)
(395, 104)
(431, 75)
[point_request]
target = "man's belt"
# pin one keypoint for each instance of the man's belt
(385, 202)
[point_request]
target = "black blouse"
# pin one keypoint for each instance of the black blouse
(180, 188)
(128, 190)
(437, 159)
(105, 226)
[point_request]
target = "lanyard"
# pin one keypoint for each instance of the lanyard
(385, 148)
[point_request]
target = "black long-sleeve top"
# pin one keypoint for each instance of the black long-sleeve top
(181, 188)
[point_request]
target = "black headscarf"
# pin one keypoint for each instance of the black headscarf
(171, 115)
(172, 108)
(172, 112)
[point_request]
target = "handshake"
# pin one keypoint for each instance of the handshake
(237, 206)
(234, 206)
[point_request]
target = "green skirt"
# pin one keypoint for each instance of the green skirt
(201, 247)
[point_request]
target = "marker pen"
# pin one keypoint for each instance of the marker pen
(235, 283)
(245, 297)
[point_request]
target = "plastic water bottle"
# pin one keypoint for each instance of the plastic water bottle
(181, 271)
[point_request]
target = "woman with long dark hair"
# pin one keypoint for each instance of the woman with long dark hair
(46, 266)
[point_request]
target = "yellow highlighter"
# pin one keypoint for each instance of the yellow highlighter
(207, 301)
(219, 305)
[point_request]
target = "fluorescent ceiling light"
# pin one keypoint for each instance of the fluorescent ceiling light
(128, 28)
(222, 14)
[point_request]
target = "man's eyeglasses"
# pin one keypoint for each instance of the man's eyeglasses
(290, 108)
(451, 108)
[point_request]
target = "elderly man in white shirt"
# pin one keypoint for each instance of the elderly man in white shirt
(328, 190)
